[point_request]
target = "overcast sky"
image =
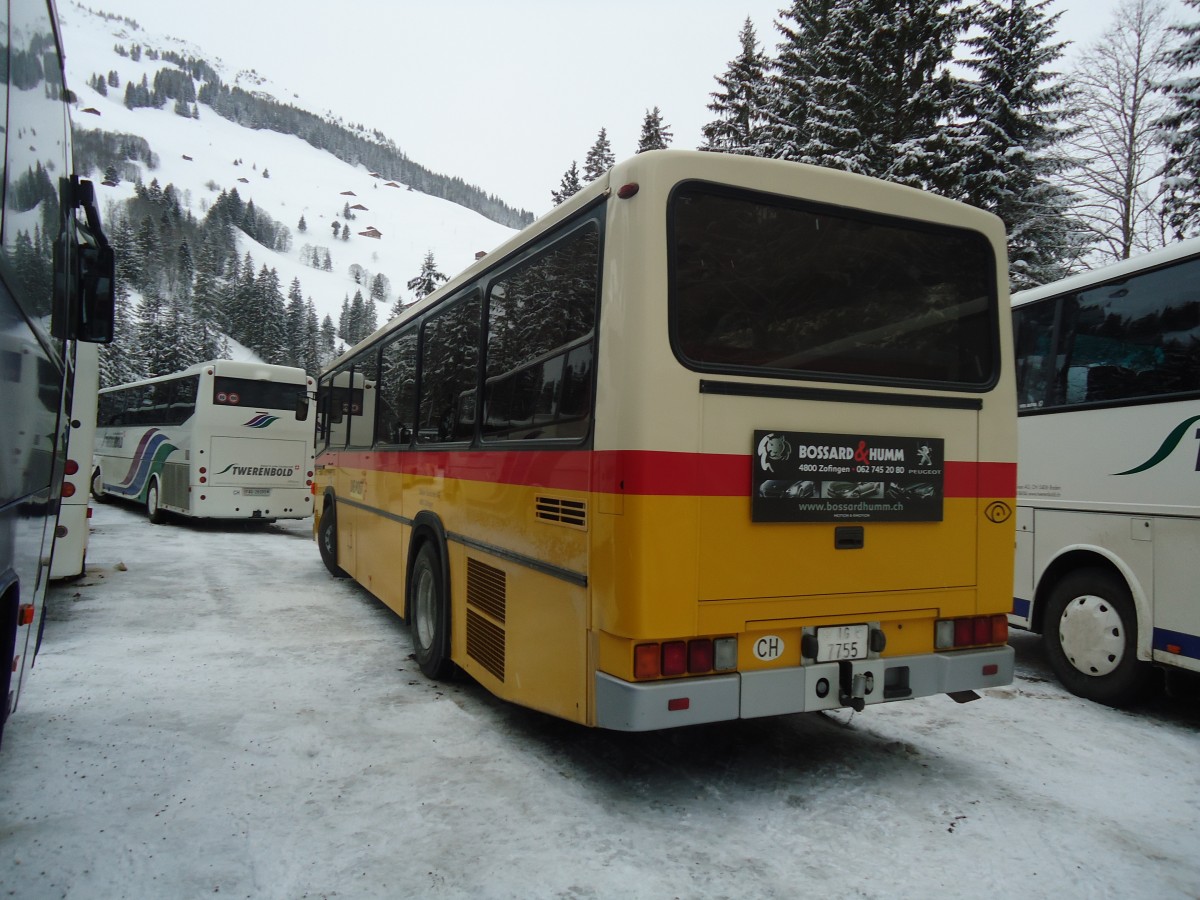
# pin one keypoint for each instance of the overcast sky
(502, 94)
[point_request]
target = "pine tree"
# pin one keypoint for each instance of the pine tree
(427, 279)
(380, 288)
(357, 320)
(153, 340)
(370, 319)
(1181, 133)
(268, 339)
(302, 226)
(326, 343)
(570, 185)
(311, 358)
(741, 103)
(120, 363)
(1007, 140)
(242, 319)
(294, 326)
(599, 159)
(865, 86)
(656, 135)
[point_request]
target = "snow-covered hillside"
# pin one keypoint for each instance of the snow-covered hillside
(284, 176)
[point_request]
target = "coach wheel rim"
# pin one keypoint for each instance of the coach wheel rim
(328, 534)
(1092, 635)
(425, 606)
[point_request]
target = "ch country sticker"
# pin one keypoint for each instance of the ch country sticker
(768, 648)
(1168, 447)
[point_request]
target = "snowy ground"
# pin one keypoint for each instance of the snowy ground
(219, 716)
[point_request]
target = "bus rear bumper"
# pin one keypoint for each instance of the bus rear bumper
(625, 706)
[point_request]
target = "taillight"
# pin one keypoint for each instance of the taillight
(977, 631)
(699, 656)
(72, 467)
(68, 489)
(674, 658)
(646, 661)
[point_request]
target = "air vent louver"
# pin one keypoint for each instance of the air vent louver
(572, 513)
(487, 599)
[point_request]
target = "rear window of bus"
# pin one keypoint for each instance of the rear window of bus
(769, 286)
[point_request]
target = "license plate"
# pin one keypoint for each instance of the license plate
(256, 492)
(839, 642)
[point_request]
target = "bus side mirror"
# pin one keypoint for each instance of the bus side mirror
(96, 303)
(301, 406)
(96, 272)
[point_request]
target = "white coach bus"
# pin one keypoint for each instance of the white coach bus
(220, 440)
(74, 510)
(1108, 493)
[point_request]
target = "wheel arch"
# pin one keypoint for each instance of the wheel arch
(1074, 558)
(427, 527)
(328, 499)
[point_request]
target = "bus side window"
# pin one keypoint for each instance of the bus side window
(362, 409)
(541, 317)
(398, 390)
(1033, 329)
(449, 358)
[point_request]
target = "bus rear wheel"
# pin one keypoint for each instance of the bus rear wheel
(98, 486)
(154, 511)
(429, 612)
(1091, 638)
(327, 541)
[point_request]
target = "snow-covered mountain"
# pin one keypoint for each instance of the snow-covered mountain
(284, 176)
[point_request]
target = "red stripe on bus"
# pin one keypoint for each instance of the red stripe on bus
(630, 472)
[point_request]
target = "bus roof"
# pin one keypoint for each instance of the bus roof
(656, 168)
(256, 371)
(1112, 272)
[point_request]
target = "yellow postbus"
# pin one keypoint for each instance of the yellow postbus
(716, 438)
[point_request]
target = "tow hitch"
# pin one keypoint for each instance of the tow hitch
(854, 688)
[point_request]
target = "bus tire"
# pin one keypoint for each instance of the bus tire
(327, 540)
(9, 612)
(429, 609)
(97, 486)
(1091, 638)
(154, 511)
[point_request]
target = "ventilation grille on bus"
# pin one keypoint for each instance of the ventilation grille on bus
(487, 597)
(561, 511)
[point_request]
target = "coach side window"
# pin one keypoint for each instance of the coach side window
(37, 158)
(1033, 333)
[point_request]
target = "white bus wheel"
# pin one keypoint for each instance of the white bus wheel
(1091, 638)
(154, 511)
